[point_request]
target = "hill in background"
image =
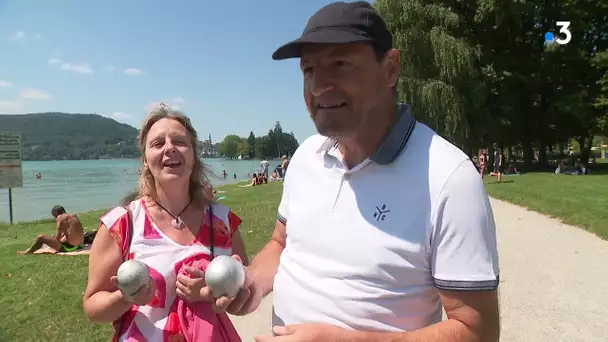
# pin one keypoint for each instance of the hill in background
(60, 136)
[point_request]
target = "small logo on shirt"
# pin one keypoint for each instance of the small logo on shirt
(381, 212)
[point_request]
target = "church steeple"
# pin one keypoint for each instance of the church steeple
(209, 137)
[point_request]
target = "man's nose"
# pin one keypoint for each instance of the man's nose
(319, 84)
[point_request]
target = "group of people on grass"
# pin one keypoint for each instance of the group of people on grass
(569, 166)
(572, 167)
(353, 257)
(262, 177)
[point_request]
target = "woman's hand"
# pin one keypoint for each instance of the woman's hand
(141, 297)
(189, 288)
(194, 289)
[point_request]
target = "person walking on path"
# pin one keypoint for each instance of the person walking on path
(483, 161)
(397, 223)
(498, 163)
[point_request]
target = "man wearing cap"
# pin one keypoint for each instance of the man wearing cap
(397, 223)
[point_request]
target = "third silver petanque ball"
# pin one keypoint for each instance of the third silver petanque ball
(225, 276)
(131, 276)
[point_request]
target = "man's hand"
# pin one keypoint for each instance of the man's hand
(246, 301)
(311, 332)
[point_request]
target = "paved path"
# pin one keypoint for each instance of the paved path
(554, 281)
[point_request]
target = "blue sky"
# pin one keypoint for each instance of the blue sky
(212, 59)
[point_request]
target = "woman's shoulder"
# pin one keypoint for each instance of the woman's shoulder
(115, 214)
(225, 214)
(219, 209)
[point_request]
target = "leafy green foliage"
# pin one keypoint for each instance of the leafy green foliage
(275, 144)
(480, 72)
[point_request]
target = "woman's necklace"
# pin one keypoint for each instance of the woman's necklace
(177, 221)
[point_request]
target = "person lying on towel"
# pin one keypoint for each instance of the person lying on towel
(69, 235)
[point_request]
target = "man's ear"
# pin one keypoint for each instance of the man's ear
(392, 67)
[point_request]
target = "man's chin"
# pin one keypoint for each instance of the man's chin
(331, 132)
(330, 127)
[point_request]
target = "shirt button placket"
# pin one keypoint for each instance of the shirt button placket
(343, 178)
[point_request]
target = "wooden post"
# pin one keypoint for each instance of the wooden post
(10, 205)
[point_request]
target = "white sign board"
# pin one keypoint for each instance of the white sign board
(11, 173)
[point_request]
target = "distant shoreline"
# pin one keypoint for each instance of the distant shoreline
(83, 185)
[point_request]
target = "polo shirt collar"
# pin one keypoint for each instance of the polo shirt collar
(394, 142)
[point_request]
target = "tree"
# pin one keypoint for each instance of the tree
(439, 78)
(272, 145)
(480, 71)
(261, 147)
(243, 148)
(581, 72)
(600, 61)
(251, 144)
(229, 146)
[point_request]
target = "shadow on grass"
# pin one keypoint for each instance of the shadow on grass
(4, 335)
(599, 169)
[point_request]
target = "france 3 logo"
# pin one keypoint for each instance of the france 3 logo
(564, 36)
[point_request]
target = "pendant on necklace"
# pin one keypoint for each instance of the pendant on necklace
(177, 223)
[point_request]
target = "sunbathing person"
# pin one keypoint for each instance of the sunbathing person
(69, 235)
(256, 180)
(262, 179)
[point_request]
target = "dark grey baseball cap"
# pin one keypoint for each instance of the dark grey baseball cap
(341, 23)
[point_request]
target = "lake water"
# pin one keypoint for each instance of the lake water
(83, 185)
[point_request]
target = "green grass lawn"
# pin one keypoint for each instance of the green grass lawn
(578, 200)
(41, 295)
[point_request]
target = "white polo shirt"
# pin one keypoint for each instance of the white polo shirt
(368, 248)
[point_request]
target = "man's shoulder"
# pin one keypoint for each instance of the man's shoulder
(74, 218)
(64, 217)
(439, 157)
(436, 149)
(311, 145)
(305, 153)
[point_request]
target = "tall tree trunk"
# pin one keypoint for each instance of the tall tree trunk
(542, 155)
(585, 145)
(528, 154)
(510, 155)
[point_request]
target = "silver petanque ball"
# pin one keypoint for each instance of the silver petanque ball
(225, 276)
(131, 276)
